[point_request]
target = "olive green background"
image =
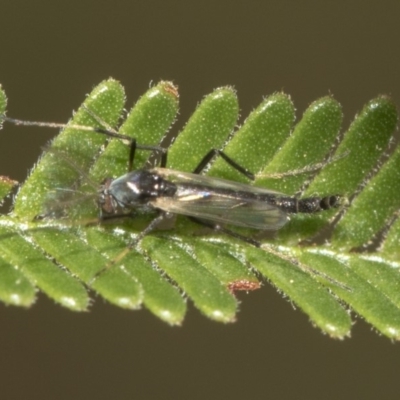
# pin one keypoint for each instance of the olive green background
(53, 53)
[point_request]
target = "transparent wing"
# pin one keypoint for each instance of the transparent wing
(220, 201)
(179, 177)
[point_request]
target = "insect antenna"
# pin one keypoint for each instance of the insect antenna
(107, 131)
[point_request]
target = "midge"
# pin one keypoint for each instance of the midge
(209, 201)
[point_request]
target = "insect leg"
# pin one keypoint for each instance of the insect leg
(134, 146)
(150, 227)
(107, 131)
(214, 152)
(132, 151)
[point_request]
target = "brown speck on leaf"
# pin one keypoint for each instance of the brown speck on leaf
(171, 88)
(243, 284)
(8, 181)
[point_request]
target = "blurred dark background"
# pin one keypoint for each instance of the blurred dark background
(53, 53)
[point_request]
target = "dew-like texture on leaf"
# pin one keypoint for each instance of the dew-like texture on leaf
(52, 172)
(372, 207)
(208, 128)
(50, 278)
(260, 137)
(148, 121)
(67, 249)
(214, 257)
(84, 262)
(15, 288)
(390, 247)
(305, 150)
(322, 308)
(207, 293)
(362, 295)
(384, 276)
(309, 144)
(6, 184)
(159, 296)
(362, 145)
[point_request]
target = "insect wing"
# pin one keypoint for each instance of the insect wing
(220, 201)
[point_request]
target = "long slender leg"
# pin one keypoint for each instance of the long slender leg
(203, 163)
(134, 146)
(214, 152)
(132, 141)
(55, 125)
(321, 204)
(216, 227)
(150, 227)
(107, 132)
(132, 152)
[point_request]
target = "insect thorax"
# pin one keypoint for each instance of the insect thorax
(135, 189)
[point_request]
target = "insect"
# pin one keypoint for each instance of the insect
(208, 201)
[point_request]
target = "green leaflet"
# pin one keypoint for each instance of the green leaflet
(208, 267)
